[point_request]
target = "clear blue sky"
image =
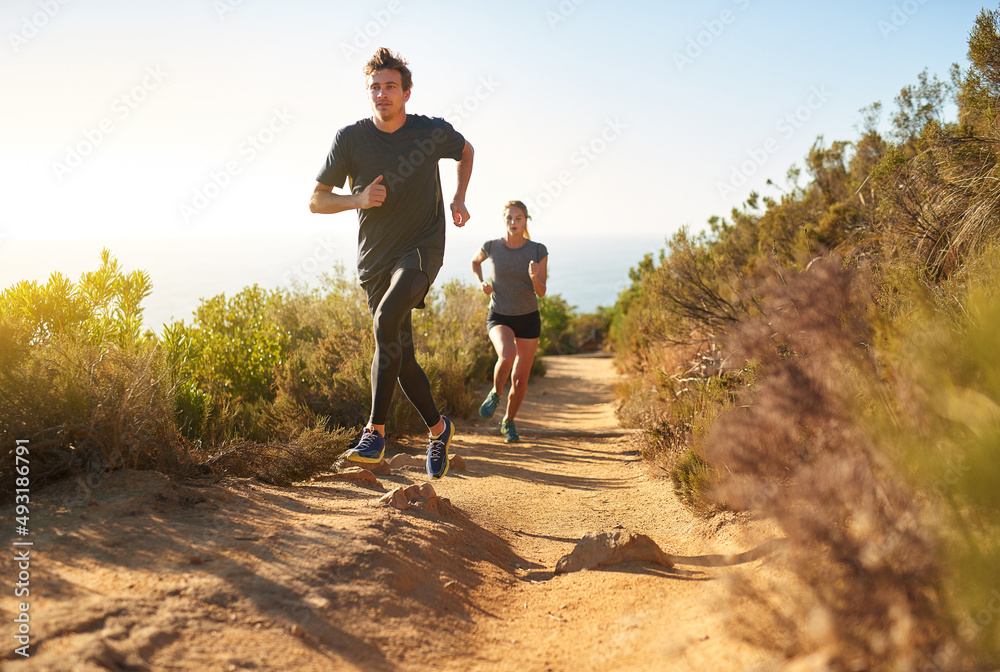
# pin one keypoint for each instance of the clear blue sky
(667, 98)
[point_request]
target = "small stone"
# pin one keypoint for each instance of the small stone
(415, 493)
(350, 474)
(436, 505)
(403, 460)
(380, 468)
(297, 631)
(456, 462)
(608, 548)
(396, 499)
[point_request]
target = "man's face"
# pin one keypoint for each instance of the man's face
(385, 90)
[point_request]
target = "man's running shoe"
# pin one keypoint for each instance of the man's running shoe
(370, 448)
(509, 433)
(489, 406)
(437, 451)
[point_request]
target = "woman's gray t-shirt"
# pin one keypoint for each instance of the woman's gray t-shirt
(513, 293)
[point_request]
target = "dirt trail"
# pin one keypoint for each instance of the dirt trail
(151, 574)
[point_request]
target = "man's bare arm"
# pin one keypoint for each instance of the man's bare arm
(325, 202)
(459, 213)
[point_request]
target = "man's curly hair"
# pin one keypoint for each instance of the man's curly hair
(385, 59)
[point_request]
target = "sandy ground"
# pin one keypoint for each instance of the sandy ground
(153, 574)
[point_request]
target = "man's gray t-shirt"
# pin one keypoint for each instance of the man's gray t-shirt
(513, 293)
(408, 229)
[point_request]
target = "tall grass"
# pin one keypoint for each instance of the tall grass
(89, 411)
(79, 382)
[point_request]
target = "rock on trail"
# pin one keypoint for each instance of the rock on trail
(598, 549)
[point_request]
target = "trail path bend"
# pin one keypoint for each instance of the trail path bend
(146, 573)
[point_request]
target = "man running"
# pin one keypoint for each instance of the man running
(391, 162)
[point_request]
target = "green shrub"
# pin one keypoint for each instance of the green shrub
(103, 308)
(566, 332)
(557, 322)
(328, 367)
(79, 382)
(693, 478)
(233, 346)
(943, 429)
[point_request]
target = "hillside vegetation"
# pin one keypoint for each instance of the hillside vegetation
(272, 384)
(828, 357)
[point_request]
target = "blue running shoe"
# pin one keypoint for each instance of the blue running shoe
(489, 406)
(370, 448)
(509, 433)
(437, 451)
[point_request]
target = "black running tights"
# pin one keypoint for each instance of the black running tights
(394, 357)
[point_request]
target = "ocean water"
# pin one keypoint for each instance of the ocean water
(586, 271)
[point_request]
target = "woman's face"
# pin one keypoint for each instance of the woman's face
(516, 220)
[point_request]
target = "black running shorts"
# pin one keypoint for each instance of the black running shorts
(523, 326)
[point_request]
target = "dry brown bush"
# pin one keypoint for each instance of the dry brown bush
(89, 410)
(283, 462)
(796, 449)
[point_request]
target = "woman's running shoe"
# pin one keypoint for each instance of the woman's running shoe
(509, 432)
(489, 406)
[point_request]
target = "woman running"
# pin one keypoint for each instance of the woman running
(513, 324)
